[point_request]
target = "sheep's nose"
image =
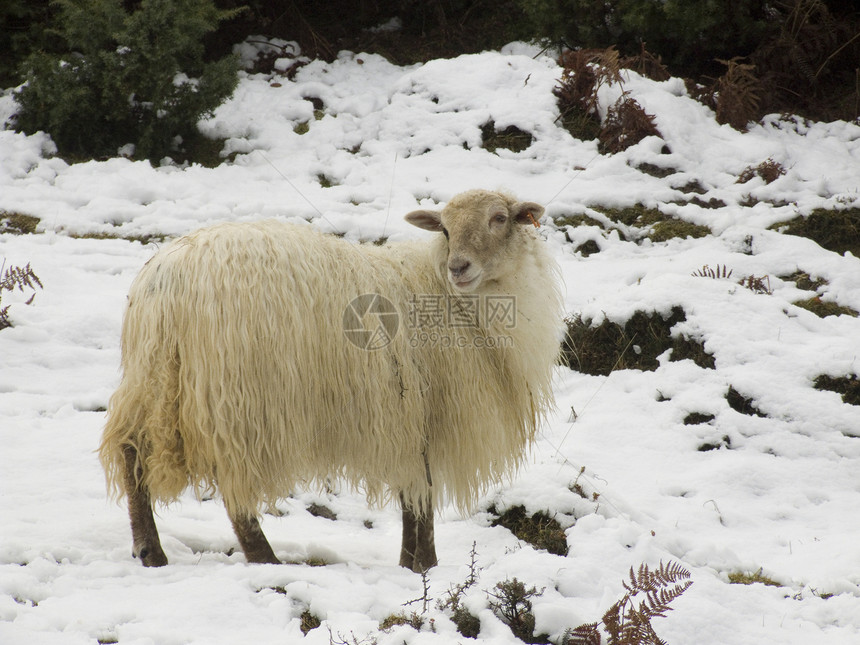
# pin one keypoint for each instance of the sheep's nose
(458, 267)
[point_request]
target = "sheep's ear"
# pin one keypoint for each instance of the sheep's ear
(428, 220)
(526, 213)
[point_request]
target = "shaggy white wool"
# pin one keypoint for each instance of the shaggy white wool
(238, 377)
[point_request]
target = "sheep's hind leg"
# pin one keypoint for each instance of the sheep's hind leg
(418, 549)
(144, 534)
(252, 539)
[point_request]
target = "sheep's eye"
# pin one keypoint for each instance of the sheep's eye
(499, 218)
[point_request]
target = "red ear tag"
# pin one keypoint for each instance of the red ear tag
(533, 220)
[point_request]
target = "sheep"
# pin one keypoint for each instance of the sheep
(250, 365)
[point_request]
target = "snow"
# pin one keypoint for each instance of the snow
(782, 499)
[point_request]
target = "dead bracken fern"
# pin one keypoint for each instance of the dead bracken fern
(768, 170)
(20, 278)
(585, 72)
(737, 94)
(647, 64)
(756, 284)
(812, 57)
(721, 272)
(648, 595)
(626, 125)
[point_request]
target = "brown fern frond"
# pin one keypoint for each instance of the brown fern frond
(708, 272)
(768, 170)
(647, 64)
(638, 631)
(19, 277)
(626, 125)
(757, 284)
(629, 622)
(585, 71)
(586, 634)
(737, 94)
(613, 619)
(671, 573)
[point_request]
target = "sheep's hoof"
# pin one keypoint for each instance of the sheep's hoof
(262, 556)
(151, 557)
(418, 563)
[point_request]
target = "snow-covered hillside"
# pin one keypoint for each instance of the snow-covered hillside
(775, 494)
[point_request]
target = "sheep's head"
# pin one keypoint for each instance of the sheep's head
(482, 230)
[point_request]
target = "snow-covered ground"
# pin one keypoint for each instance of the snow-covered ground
(781, 496)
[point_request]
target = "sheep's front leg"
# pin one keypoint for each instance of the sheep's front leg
(418, 549)
(252, 539)
(144, 534)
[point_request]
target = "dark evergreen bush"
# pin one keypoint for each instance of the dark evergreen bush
(687, 34)
(128, 77)
(21, 31)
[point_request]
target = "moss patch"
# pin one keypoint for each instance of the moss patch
(413, 620)
(739, 403)
(511, 138)
(577, 220)
(18, 223)
(696, 418)
(307, 622)
(836, 230)
(655, 225)
(847, 386)
(326, 181)
(725, 442)
(637, 215)
(804, 281)
(580, 124)
(822, 308)
(636, 344)
(318, 510)
(588, 248)
(655, 171)
(109, 235)
(746, 578)
(711, 204)
(540, 530)
(672, 228)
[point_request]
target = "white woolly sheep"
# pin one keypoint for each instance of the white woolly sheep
(247, 368)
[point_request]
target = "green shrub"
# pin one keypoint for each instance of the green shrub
(22, 29)
(511, 601)
(134, 77)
